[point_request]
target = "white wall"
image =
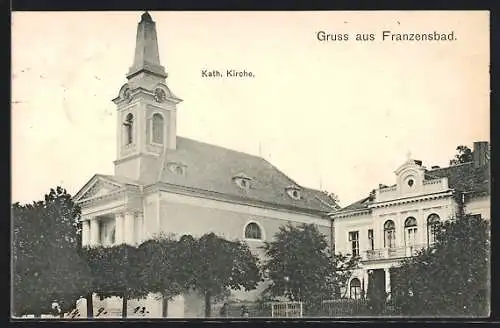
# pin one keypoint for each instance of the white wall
(480, 205)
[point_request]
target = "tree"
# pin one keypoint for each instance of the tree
(161, 269)
(116, 272)
(334, 198)
(464, 155)
(217, 265)
(452, 277)
(47, 267)
(301, 266)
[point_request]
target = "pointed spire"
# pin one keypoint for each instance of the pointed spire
(147, 57)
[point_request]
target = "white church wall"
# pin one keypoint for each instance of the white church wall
(181, 214)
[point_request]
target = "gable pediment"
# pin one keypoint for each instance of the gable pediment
(97, 187)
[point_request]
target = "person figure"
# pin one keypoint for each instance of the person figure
(244, 311)
(224, 311)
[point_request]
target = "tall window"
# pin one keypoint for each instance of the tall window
(389, 234)
(410, 231)
(129, 124)
(432, 223)
(354, 240)
(157, 133)
(355, 289)
(252, 231)
(371, 241)
(410, 234)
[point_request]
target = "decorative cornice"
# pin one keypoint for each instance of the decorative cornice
(153, 70)
(412, 199)
(134, 155)
(140, 90)
(393, 202)
(350, 213)
(103, 198)
(163, 186)
(91, 183)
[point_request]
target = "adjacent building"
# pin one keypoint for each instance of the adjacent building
(167, 183)
(394, 222)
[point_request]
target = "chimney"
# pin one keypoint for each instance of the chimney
(419, 163)
(480, 153)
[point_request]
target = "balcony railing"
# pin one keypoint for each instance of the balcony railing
(392, 253)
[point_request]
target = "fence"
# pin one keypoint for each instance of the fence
(338, 308)
(345, 308)
(260, 310)
(287, 310)
(235, 310)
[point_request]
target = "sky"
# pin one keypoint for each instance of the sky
(340, 116)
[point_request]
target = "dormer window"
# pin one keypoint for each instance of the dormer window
(242, 181)
(293, 192)
(177, 168)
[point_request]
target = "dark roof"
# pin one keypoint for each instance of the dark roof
(464, 177)
(359, 205)
(213, 168)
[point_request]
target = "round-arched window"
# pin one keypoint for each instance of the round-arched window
(157, 130)
(129, 125)
(389, 225)
(355, 288)
(410, 222)
(411, 233)
(253, 231)
(389, 234)
(432, 226)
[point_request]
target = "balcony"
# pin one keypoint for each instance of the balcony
(392, 253)
(384, 194)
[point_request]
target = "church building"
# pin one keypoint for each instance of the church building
(395, 222)
(167, 183)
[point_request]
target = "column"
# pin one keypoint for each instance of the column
(85, 232)
(129, 228)
(139, 228)
(362, 240)
(387, 281)
(378, 232)
(94, 232)
(365, 281)
(119, 233)
(400, 230)
(421, 229)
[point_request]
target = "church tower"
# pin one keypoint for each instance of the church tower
(146, 118)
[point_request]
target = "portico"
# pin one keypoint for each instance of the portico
(113, 229)
(111, 212)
